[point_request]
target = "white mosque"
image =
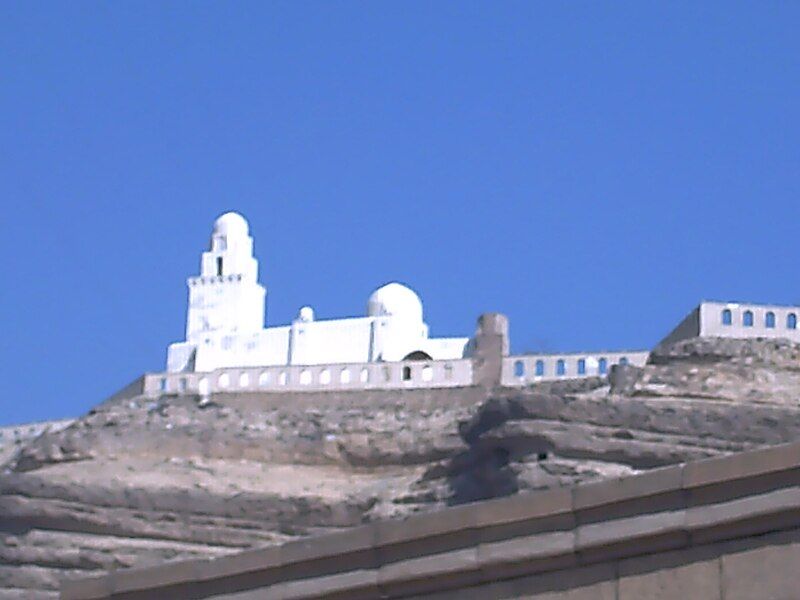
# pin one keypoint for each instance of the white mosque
(225, 319)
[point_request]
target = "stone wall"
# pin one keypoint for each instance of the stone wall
(721, 528)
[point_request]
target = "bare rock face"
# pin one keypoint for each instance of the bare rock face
(696, 399)
(142, 481)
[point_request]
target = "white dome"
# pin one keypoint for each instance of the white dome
(232, 225)
(306, 314)
(397, 300)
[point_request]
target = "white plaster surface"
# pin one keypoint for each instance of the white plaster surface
(530, 368)
(711, 322)
(225, 319)
(411, 374)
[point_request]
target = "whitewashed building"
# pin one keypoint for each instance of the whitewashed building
(225, 319)
(713, 319)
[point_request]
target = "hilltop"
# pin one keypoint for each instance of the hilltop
(140, 481)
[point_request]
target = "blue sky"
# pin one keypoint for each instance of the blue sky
(591, 169)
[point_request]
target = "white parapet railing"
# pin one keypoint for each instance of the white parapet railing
(532, 368)
(313, 378)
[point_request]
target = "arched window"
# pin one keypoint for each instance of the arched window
(602, 366)
(769, 320)
(519, 369)
(325, 376)
(791, 321)
(727, 317)
(747, 318)
(539, 368)
(406, 373)
(561, 367)
(344, 376)
(305, 377)
(582, 366)
(623, 361)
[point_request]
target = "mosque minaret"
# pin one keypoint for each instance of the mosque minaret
(225, 322)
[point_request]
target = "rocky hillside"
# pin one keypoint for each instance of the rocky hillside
(138, 482)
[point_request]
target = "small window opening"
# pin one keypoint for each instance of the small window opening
(542, 456)
(747, 318)
(727, 317)
(602, 366)
(791, 321)
(539, 368)
(219, 266)
(561, 367)
(519, 369)
(769, 320)
(623, 361)
(406, 373)
(582, 366)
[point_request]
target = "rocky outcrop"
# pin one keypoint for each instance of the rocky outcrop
(697, 398)
(141, 481)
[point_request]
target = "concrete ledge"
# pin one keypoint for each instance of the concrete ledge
(527, 548)
(128, 580)
(90, 588)
(522, 507)
(354, 584)
(243, 562)
(441, 522)
(358, 539)
(650, 483)
(629, 530)
(741, 465)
